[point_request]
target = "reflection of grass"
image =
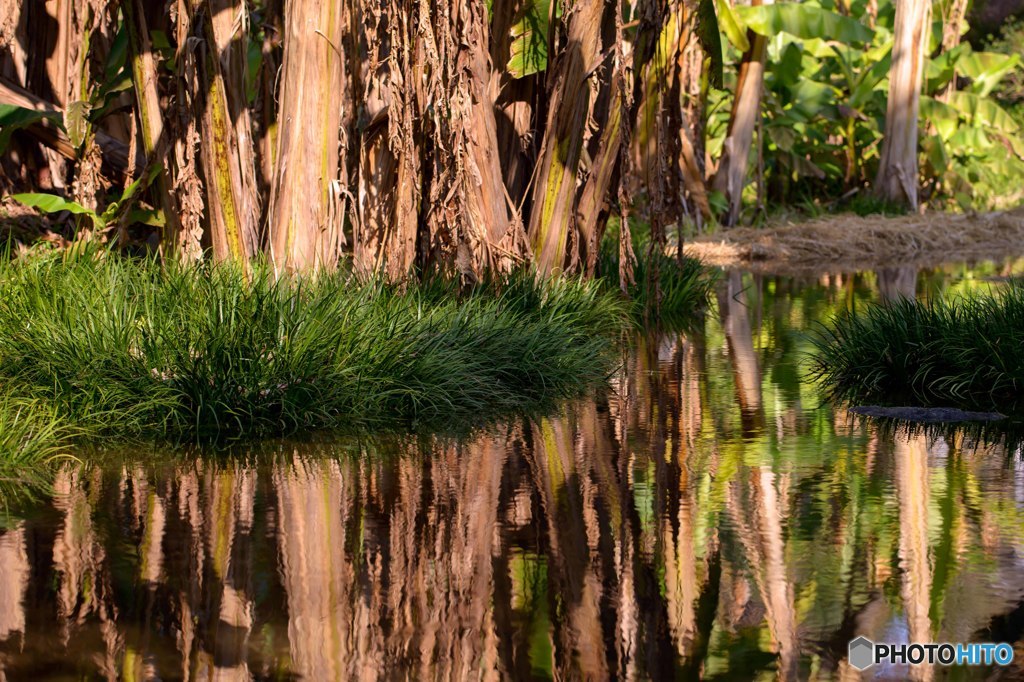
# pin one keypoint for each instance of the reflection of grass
(132, 348)
(529, 577)
(963, 351)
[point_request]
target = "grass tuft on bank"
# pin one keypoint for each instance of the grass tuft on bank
(131, 348)
(667, 291)
(29, 432)
(963, 352)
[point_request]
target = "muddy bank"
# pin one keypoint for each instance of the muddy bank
(849, 242)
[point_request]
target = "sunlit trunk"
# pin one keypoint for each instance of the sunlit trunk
(731, 175)
(227, 145)
(897, 179)
(551, 228)
(306, 203)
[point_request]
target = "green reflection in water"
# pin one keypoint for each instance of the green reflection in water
(707, 516)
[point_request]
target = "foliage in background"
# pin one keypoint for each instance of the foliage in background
(826, 90)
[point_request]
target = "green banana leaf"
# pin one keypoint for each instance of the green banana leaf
(732, 26)
(528, 53)
(803, 21)
(14, 118)
(51, 203)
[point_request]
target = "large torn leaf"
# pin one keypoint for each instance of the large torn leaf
(986, 69)
(803, 21)
(985, 112)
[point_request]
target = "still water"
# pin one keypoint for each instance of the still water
(707, 517)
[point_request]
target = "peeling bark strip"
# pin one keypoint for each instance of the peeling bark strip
(150, 117)
(227, 156)
(746, 109)
(305, 205)
(897, 170)
(571, 101)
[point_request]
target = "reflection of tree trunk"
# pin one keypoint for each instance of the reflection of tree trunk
(14, 573)
(777, 589)
(913, 490)
(732, 303)
(312, 501)
(562, 488)
(898, 282)
(77, 553)
(230, 497)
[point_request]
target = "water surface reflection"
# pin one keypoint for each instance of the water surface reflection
(707, 517)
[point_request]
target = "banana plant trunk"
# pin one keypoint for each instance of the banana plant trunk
(732, 169)
(152, 131)
(228, 157)
(551, 228)
(306, 206)
(897, 170)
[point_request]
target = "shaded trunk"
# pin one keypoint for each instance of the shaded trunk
(952, 26)
(897, 169)
(306, 206)
(515, 108)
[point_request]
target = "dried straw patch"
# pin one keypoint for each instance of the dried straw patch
(852, 242)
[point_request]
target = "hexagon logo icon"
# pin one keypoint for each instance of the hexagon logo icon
(862, 653)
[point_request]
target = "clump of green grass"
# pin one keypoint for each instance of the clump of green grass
(29, 433)
(965, 351)
(140, 349)
(665, 288)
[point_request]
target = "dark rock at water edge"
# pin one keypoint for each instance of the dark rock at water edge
(926, 414)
